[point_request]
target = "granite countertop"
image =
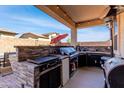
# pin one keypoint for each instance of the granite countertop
(61, 56)
(105, 58)
(94, 52)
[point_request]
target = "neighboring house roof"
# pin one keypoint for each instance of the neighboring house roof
(32, 35)
(47, 34)
(6, 32)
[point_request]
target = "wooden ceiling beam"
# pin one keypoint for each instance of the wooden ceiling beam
(90, 23)
(56, 12)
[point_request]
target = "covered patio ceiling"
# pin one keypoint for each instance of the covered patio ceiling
(79, 16)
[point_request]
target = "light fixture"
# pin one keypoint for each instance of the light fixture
(78, 24)
(119, 7)
(108, 22)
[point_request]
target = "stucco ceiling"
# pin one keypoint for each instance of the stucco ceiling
(82, 13)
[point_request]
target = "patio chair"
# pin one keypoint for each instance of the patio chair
(1, 61)
(5, 64)
(6, 59)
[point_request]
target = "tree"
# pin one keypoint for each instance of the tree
(69, 40)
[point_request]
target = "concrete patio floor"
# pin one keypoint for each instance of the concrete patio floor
(85, 77)
(8, 81)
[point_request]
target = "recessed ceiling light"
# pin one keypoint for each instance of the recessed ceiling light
(57, 7)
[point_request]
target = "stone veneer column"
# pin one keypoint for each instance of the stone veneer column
(24, 72)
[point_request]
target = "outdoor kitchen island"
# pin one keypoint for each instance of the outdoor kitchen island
(39, 71)
(91, 55)
(58, 71)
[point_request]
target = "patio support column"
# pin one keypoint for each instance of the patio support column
(110, 23)
(74, 36)
(112, 37)
(112, 48)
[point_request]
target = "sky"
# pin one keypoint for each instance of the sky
(96, 33)
(28, 18)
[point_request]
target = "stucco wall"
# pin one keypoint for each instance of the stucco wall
(7, 44)
(121, 20)
(105, 43)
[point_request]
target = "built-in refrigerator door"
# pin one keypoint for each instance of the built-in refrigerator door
(65, 71)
